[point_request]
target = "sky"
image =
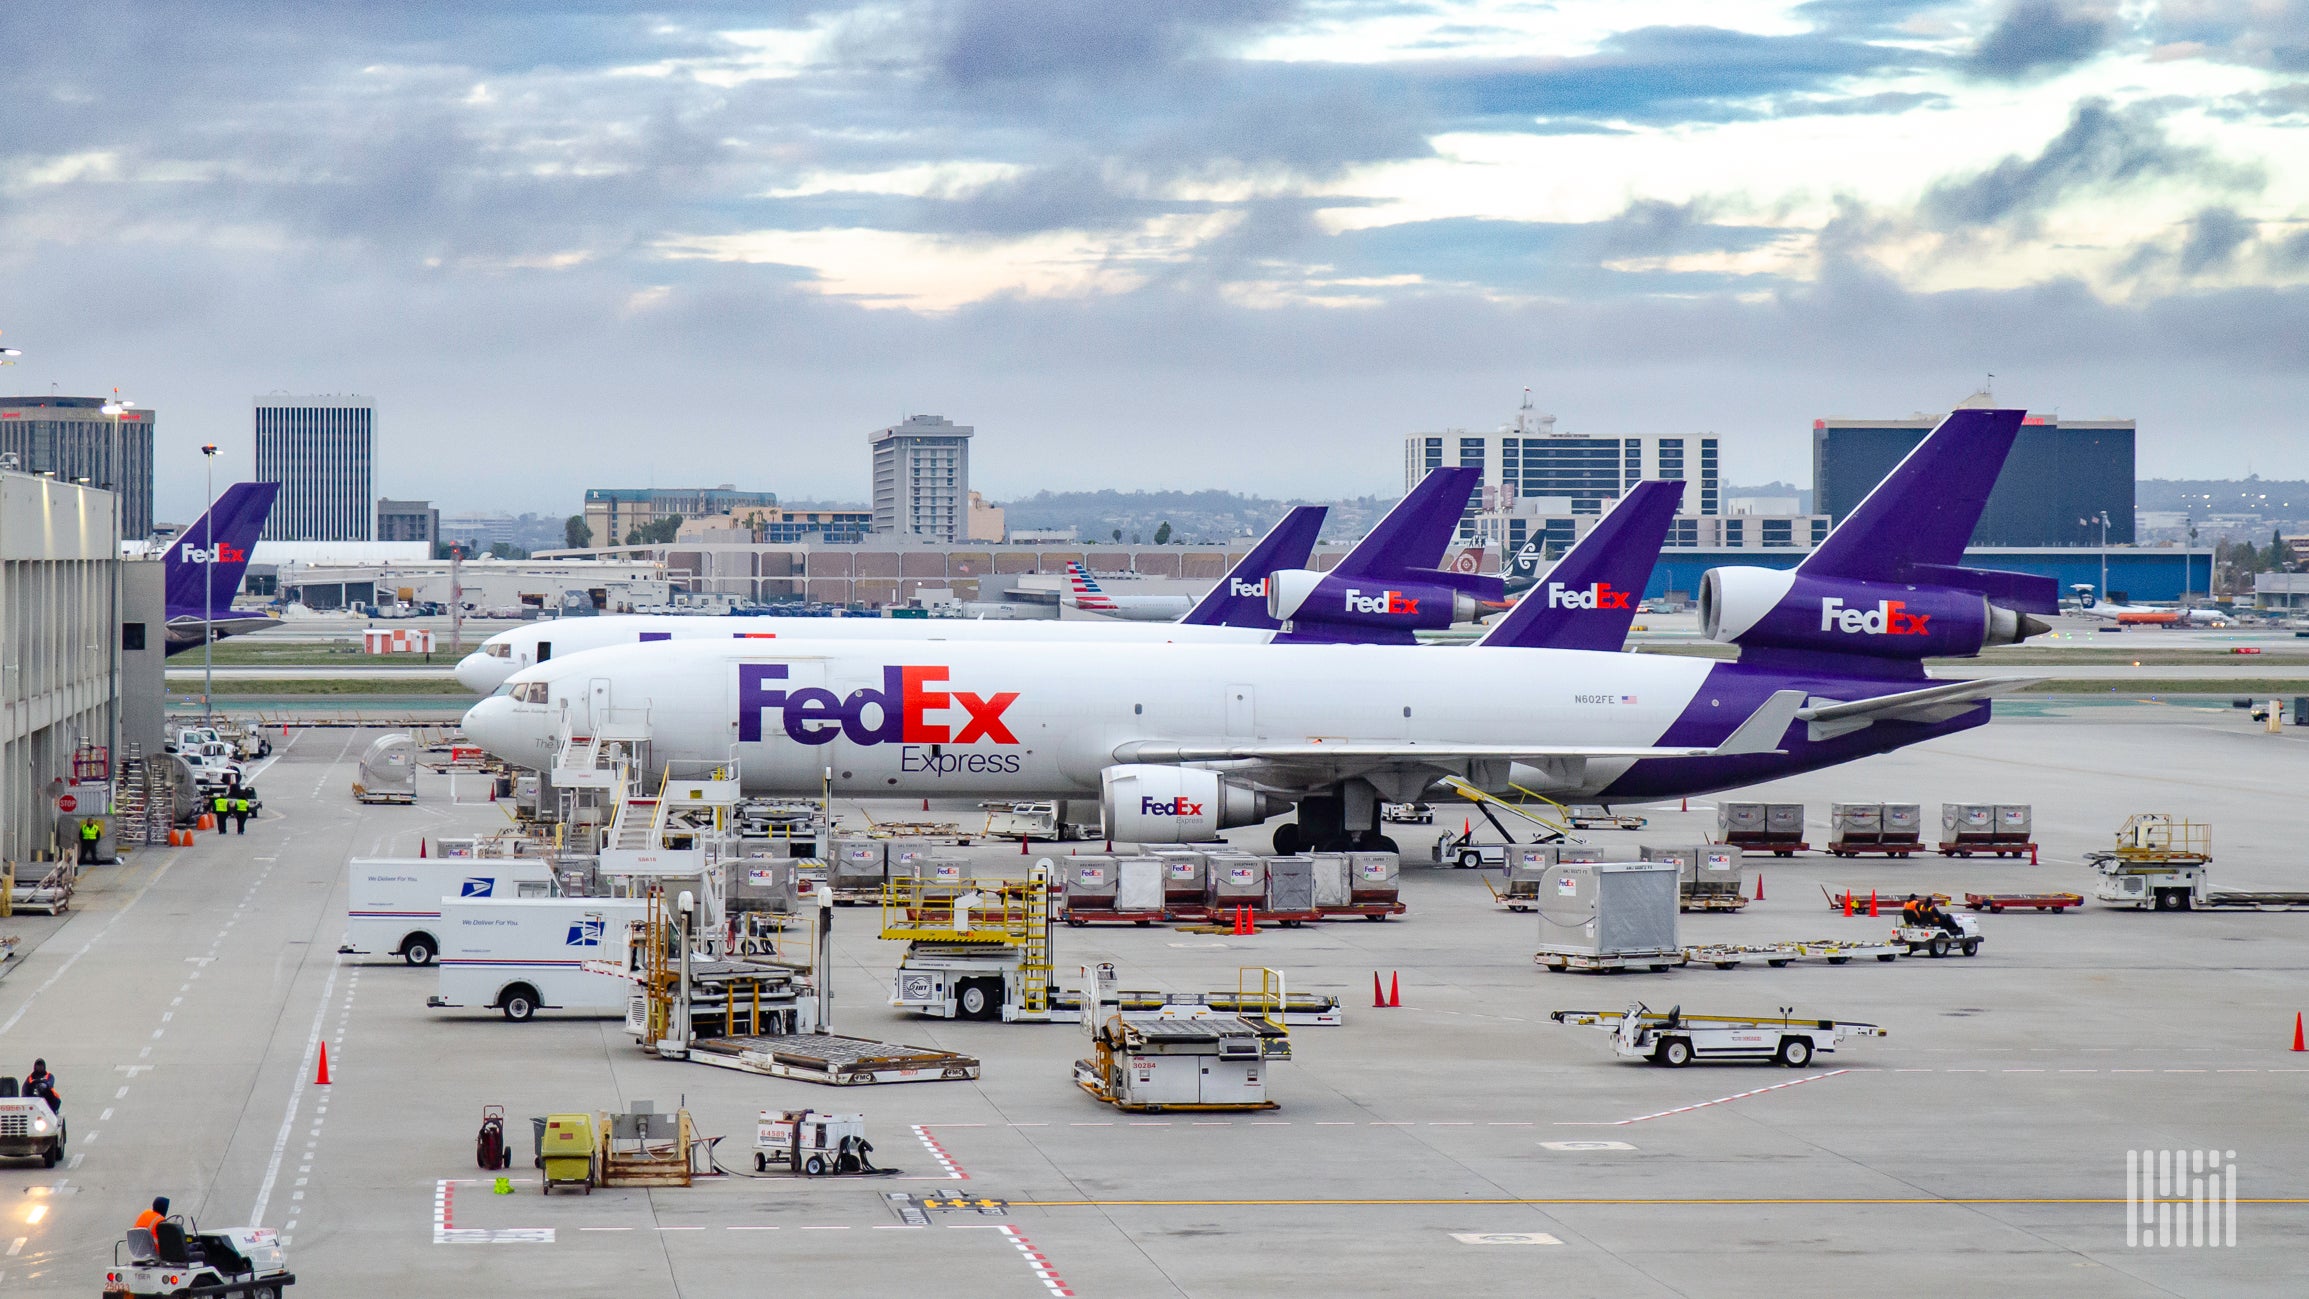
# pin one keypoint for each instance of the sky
(1245, 244)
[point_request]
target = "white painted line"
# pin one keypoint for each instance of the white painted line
(106, 1115)
(1720, 1100)
(296, 1093)
(15, 1247)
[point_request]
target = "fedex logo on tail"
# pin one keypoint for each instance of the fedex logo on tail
(1168, 807)
(1596, 595)
(1255, 590)
(909, 708)
(1888, 618)
(221, 553)
(1387, 602)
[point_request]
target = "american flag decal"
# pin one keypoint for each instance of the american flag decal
(1627, 699)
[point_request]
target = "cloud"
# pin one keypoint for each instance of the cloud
(2214, 236)
(2102, 147)
(2039, 36)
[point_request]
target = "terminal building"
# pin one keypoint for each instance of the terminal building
(2064, 480)
(91, 441)
(323, 453)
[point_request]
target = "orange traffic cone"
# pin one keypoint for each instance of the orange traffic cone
(1871, 904)
(2298, 1043)
(1395, 989)
(1847, 902)
(321, 1075)
(1684, 806)
(1378, 999)
(420, 847)
(1759, 886)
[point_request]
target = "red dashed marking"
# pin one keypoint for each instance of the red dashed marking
(938, 1152)
(1043, 1271)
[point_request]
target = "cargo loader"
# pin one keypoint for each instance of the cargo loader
(1676, 1039)
(2165, 864)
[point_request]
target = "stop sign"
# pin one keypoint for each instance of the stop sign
(67, 803)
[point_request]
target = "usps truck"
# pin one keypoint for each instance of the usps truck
(524, 955)
(394, 903)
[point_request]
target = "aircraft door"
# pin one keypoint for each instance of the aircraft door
(1242, 713)
(597, 703)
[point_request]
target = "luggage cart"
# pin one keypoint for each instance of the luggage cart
(1998, 902)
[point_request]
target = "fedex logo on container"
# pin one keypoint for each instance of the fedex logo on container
(1237, 586)
(1888, 618)
(907, 709)
(1596, 595)
(1168, 807)
(1387, 602)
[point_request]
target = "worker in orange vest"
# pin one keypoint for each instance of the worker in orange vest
(153, 1216)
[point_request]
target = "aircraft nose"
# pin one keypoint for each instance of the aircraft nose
(482, 674)
(488, 724)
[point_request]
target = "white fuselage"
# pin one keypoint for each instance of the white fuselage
(1031, 720)
(510, 651)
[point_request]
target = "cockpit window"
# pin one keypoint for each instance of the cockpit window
(505, 689)
(532, 692)
(498, 649)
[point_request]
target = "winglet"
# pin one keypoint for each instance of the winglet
(1240, 598)
(1765, 727)
(1600, 578)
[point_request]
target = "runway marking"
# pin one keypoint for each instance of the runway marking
(1720, 1100)
(296, 1093)
(1574, 1202)
(1043, 1271)
(446, 1233)
(953, 1170)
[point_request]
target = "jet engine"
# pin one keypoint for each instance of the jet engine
(1786, 610)
(1309, 600)
(1148, 803)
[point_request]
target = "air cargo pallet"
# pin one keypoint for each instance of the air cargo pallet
(1776, 847)
(1585, 964)
(832, 1059)
(2023, 901)
(1981, 848)
(1725, 956)
(1712, 902)
(1367, 910)
(1080, 917)
(1843, 848)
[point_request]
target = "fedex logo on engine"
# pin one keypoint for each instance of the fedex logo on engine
(1596, 595)
(906, 709)
(222, 553)
(1168, 807)
(1237, 586)
(1388, 602)
(1888, 618)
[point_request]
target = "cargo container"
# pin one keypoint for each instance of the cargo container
(1777, 828)
(761, 884)
(1606, 915)
(1138, 886)
(1987, 830)
(1374, 878)
(1708, 875)
(1290, 886)
(857, 868)
(1088, 883)
(1184, 871)
(1331, 891)
(1879, 829)
(1236, 879)
(1903, 823)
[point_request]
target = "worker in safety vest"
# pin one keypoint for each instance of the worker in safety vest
(1929, 913)
(41, 1085)
(223, 809)
(155, 1215)
(91, 830)
(241, 810)
(1912, 911)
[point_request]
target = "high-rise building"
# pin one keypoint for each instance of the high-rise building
(1537, 480)
(322, 451)
(73, 440)
(408, 521)
(2062, 476)
(922, 478)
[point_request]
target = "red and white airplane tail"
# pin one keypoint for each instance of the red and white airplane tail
(1083, 590)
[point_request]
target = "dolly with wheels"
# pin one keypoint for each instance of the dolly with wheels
(1676, 1039)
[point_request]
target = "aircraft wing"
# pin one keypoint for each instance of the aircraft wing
(1760, 733)
(1829, 718)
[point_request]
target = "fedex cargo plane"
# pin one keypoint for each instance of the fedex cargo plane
(1233, 612)
(1181, 741)
(206, 563)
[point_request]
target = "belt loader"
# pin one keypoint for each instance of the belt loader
(1675, 1039)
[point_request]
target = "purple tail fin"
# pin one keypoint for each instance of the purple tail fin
(1240, 598)
(206, 562)
(1418, 530)
(1914, 526)
(1588, 600)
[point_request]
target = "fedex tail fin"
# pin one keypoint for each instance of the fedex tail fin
(205, 564)
(1417, 531)
(1588, 600)
(1083, 590)
(1240, 598)
(1914, 526)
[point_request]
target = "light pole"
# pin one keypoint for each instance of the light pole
(2103, 520)
(208, 590)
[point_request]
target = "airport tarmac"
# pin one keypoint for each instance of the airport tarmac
(1458, 1144)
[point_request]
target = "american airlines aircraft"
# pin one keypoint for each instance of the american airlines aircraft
(1180, 741)
(1083, 592)
(1233, 612)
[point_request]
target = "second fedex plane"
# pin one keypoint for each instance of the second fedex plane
(205, 565)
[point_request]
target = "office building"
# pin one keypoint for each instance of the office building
(614, 513)
(408, 521)
(74, 440)
(1537, 482)
(2063, 475)
(922, 478)
(322, 451)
